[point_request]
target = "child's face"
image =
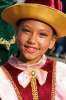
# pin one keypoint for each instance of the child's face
(33, 39)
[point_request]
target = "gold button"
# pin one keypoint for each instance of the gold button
(33, 73)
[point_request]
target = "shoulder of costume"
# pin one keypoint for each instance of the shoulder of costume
(7, 91)
(60, 64)
(61, 79)
(2, 72)
(61, 70)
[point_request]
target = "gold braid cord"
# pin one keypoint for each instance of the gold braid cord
(34, 87)
(53, 92)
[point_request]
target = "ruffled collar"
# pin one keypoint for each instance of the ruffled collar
(24, 78)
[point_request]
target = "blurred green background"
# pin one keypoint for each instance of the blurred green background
(6, 33)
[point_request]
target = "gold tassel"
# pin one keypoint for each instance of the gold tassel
(34, 87)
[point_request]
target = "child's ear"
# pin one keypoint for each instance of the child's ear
(52, 43)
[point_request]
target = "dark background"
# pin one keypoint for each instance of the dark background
(64, 5)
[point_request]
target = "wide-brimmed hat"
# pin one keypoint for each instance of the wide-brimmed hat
(46, 14)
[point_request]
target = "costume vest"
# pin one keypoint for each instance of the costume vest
(45, 92)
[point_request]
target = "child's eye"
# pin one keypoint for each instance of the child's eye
(43, 35)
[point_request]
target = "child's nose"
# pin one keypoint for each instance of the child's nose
(33, 38)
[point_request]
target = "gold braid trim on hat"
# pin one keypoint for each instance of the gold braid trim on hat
(7, 43)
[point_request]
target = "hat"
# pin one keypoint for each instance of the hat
(51, 16)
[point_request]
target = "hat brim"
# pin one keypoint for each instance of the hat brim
(46, 14)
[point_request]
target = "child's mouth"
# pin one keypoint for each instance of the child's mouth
(30, 49)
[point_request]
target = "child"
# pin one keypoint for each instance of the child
(31, 75)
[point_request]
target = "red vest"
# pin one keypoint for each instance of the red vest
(44, 91)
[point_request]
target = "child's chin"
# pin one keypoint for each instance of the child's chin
(30, 56)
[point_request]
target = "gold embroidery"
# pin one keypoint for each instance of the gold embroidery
(53, 92)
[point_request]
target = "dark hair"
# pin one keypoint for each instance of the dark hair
(23, 20)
